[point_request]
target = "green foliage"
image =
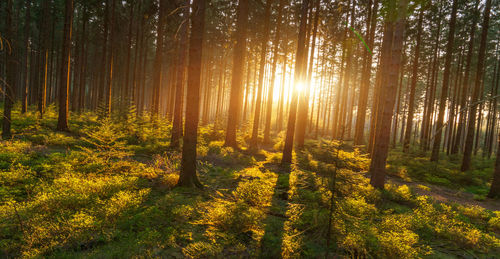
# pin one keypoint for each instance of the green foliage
(256, 191)
(106, 139)
(106, 191)
(417, 167)
(216, 153)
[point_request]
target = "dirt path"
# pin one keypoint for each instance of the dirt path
(443, 194)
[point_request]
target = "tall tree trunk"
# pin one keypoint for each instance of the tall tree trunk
(430, 91)
(446, 80)
(42, 94)
(340, 124)
(495, 183)
(239, 54)
(299, 75)
(75, 71)
(398, 104)
(338, 94)
(109, 86)
(247, 93)
(494, 105)
(279, 117)
(11, 72)
(179, 87)
(453, 106)
(465, 85)
(477, 87)
(479, 121)
(138, 45)
(388, 95)
(83, 60)
(270, 95)
(62, 122)
(157, 66)
(303, 112)
(411, 101)
(126, 86)
(187, 175)
(27, 22)
(263, 51)
(103, 75)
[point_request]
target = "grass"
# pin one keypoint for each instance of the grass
(107, 190)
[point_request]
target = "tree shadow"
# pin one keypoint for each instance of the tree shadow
(271, 242)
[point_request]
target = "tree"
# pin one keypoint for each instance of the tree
(109, 86)
(24, 100)
(270, 94)
(179, 87)
(446, 80)
(371, 25)
(431, 86)
(188, 175)
(465, 83)
(495, 183)
(302, 116)
(62, 122)
(11, 71)
(394, 32)
(298, 78)
(102, 72)
(263, 52)
(126, 86)
(235, 100)
(414, 78)
(476, 91)
(83, 61)
(157, 66)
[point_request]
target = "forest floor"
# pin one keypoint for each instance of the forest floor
(107, 189)
(446, 195)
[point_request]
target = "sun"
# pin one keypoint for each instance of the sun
(299, 86)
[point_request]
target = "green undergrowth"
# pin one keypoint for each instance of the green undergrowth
(107, 190)
(418, 167)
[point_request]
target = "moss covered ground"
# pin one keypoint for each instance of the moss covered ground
(107, 190)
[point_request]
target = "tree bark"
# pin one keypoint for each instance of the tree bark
(62, 122)
(42, 94)
(179, 87)
(299, 75)
(83, 60)
(270, 95)
(371, 25)
(495, 183)
(263, 51)
(11, 71)
(157, 66)
(388, 95)
(411, 101)
(103, 75)
(109, 86)
(494, 105)
(446, 80)
(239, 54)
(27, 21)
(188, 175)
(126, 86)
(477, 87)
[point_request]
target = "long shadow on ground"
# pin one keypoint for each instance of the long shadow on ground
(276, 216)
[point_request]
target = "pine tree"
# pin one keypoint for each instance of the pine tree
(188, 175)
(62, 122)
